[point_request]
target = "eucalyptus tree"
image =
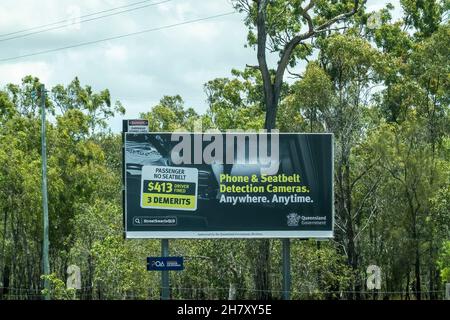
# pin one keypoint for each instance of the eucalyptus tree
(284, 27)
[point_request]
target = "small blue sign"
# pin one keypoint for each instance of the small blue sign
(165, 263)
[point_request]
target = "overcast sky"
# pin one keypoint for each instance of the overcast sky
(137, 70)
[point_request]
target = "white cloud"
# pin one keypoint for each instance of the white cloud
(137, 70)
(183, 10)
(206, 31)
(116, 53)
(14, 72)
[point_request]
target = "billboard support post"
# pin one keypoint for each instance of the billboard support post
(165, 273)
(286, 268)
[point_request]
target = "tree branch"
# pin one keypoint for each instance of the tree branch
(307, 17)
(294, 75)
(341, 16)
(261, 50)
(291, 45)
(366, 196)
(339, 227)
(252, 66)
(364, 172)
(367, 222)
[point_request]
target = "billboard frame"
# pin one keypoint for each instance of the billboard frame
(261, 234)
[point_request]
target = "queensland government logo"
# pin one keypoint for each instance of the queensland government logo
(293, 219)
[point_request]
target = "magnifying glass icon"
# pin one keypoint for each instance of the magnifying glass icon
(137, 221)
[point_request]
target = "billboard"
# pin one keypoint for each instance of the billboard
(228, 185)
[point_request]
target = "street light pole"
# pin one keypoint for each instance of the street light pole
(45, 242)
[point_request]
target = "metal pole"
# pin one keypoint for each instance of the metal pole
(45, 260)
(286, 269)
(165, 274)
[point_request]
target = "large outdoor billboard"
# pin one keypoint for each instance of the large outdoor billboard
(228, 185)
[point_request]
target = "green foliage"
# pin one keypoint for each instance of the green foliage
(58, 290)
(285, 20)
(424, 16)
(78, 179)
(311, 99)
(120, 271)
(237, 102)
(321, 271)
(170, 115)
(384, 93)
(444, 262)
(97, 106)
(212, 267)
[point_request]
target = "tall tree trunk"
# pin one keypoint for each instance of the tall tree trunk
(6, 281)
(272, 97)
(232, 291)
(270, 115)
(90, 290)
(5, 272)
(262, 263)
(407, 286)
(417, 274)
(352, 255)
(262, 267)
(431, 271)
(272, 90)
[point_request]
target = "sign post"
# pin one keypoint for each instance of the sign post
(165, 264)
(165, 294)
(286, 269)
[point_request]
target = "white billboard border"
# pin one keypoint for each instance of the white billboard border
(294, 234)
